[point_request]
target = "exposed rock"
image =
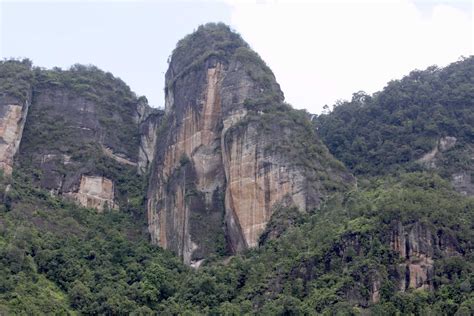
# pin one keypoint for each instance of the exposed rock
(463, 183)
(148, 120)
(417, 246)
(255, 182)
(216, 175)
(148, 138)
(73, 131)
(446, 143)
(95, 192)
(109, 153)
(12, 122)
(443, 144)
(194, 136)
(375, 291)
(460, 173)
(15, 100)
(429, 159)
(196, 264)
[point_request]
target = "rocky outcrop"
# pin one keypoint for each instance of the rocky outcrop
(12, 122)
(217, 174)
(148, 138)
(463, 182)
(440, 158)
(256, 180)
(444, 144)
(119, 158)
(189, 163)
(15, 99)
(82, 123)
(418, 247)
(95, 192)
(148, 120)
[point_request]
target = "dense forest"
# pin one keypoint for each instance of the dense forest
(399, 241)
(389, 130)
(60, 258)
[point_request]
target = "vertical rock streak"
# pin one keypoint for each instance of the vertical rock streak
(221, 158)
(219, 97)
(417, 247)
(12, 123)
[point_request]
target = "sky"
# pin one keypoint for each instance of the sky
(321, 51)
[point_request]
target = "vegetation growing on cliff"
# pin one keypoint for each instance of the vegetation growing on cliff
(107, 96)
(15, 79)
(323, 263)
(57, 257)
(389, 130)
(339, 259)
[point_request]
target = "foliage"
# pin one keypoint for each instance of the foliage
(391, 129)
(82, 88)
(59, 258)
(15, 79)
(78, 260)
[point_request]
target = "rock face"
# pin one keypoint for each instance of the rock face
(83, 124)
(149, 121)
(217, 174)
(15, 98)
(418, 247)
(12, 122)
(463, 182)
(95, 192)
(460, 174)
(443, 145)
(256, 181)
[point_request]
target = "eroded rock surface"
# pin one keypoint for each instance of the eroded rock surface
(15, 99)
(88, 129)
(148, 120)
(444, 144)
(417, 246)
(463, 182)
(12, 122)
(217, 173)
(95, 192)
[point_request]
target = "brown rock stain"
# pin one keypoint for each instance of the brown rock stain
(196, 129)
(416, 246)
(255, 183)
(95, 192)
(11, 127)
(198, 138)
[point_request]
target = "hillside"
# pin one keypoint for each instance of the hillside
(228, 202)
(424, 121)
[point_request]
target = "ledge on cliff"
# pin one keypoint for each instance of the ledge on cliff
(64, 125)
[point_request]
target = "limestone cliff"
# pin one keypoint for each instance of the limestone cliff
(84, 124)
(15, 98)
(418, 247)
(12, 122)
(95, 192)
(230, 150)
(149, 120)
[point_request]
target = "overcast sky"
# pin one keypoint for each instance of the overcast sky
(320, 51)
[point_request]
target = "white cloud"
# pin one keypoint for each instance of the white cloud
(322, 51)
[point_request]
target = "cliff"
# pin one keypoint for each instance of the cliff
(80, 133)
(149, 120)
(227, 166)
(15, 98)
(230, 150)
